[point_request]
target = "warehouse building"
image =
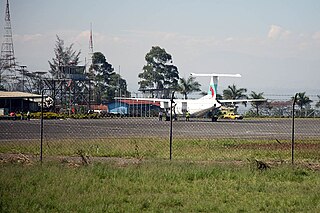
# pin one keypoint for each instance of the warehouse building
(18, 102)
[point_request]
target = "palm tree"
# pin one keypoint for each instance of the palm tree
(188, 86)
(255, 95)
(233, 93)
(302, 100)
(219, 97)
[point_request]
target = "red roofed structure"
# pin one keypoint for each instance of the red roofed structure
(141, 102)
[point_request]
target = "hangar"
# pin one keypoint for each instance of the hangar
(18, 102)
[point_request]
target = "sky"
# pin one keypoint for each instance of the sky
(274, 44)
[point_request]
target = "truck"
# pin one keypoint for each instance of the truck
(229, 113)
(232, 116)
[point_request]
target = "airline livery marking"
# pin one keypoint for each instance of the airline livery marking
(212, 91)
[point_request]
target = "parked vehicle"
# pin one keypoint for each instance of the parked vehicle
(230, 113)
(232, 116)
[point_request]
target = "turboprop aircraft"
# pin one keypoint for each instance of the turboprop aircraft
(201, 106)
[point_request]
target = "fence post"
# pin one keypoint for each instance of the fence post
(41, 126)
(292, 133)
(171, 102)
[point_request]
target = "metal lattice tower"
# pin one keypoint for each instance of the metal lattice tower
(91, 40)
(7, 60)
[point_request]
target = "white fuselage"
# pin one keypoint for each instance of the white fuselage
(196, 107)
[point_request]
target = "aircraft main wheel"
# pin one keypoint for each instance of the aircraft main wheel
(214, 119)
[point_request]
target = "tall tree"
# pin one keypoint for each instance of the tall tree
(188, 86)
(256, 105)
(63, 56)
(117, 87)
(107, 83)
(100, 68)
(159, 72)
(302, 100)
(100, 71)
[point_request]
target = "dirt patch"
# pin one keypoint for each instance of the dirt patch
(17, 158)
(72, 161)
(77, 161)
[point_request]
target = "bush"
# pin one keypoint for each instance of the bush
(47, 115)
(53, 115)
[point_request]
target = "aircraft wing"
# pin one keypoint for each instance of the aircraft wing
(242, 100)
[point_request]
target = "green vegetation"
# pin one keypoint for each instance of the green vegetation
(153, 186)
(63, 56)
(185, 149)
(189, 85)
(233, 93)
(159, 72)
(53, 115)
(217, 175)
(256, 105)
(107, 84)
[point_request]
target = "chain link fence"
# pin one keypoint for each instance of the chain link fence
(267, 139)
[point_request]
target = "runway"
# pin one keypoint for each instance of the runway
(280, 129)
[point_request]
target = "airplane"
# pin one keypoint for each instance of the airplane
(201, 106)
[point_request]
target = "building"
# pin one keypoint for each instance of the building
(134, 108)
(18, 102)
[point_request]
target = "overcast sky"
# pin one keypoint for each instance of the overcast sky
(274, 44)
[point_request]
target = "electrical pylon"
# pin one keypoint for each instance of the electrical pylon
(7, 61)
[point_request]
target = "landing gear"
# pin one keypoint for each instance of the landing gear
(214, 118)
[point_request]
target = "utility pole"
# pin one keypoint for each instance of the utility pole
(7, 63)
(23, 72)
(292, 132)
(91, 59)
(119, 88)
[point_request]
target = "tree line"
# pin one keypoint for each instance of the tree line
(159, 77)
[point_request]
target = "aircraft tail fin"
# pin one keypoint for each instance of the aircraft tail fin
(213, 86)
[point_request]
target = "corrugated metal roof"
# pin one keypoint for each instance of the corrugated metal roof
(137, 102)
(5, 94)
(99, 107)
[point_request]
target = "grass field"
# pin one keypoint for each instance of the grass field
(217, 175)
(156, 186)
(306, 151)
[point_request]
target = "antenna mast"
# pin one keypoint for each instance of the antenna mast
(91, 40)
(7, 60)
(90, 47)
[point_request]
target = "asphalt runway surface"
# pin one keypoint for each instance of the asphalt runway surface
(21, 130)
